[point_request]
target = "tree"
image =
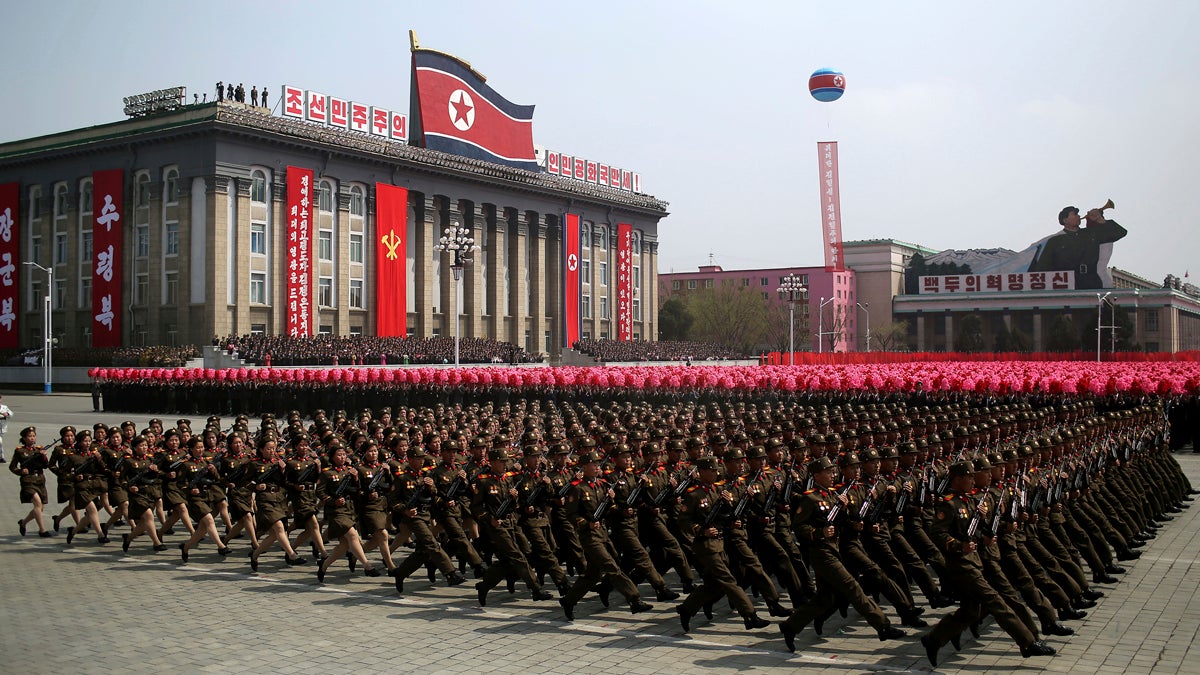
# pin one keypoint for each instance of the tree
(892, 337)
(732, 316)
(1063, 335)
(969, 337)
(777, 328)
(674, 320)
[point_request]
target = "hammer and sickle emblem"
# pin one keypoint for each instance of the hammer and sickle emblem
(392, 242)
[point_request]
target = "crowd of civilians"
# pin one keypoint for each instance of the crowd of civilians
(328, 350)
(622, 351)
(157, 356)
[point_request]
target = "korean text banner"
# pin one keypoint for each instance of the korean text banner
(10, 264)
(624, 281)
(831, 206)
(391, 281)
(108, 210)
(298, 254)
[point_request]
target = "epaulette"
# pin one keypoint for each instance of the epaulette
(809, 492)
(693, 488)
(948, 498)
(575, 482)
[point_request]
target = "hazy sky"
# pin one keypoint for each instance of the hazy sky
(963, 126)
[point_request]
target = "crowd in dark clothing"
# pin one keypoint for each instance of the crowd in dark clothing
(158, 356)
(329, 350)
(622, 351)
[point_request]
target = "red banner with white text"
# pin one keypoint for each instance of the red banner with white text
(831, 206)
(10, 264)
(624, 281)
(571, 285)
(298, 254)
(108, 209)
(391, 255)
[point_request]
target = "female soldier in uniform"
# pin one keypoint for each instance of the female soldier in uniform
(373, 504)
(193, 479)
(337, 487)
(83, 469)
(116, 453)
(266, 477)
(144, 488)
(239, 494)
(66, 487)
(28, 461)
(303, 472)
(170, 462)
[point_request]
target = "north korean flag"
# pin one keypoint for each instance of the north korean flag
(454, 111)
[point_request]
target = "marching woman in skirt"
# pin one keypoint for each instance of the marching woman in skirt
(266, 477)
(29, 461)
(194, 477)
(145, 489)
(339, 484)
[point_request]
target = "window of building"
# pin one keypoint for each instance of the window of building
(172, 292)
(356, 247)
(141, 289)
(603, 273)
(171, 186)
(258, 328)
(1152, 320)
(675, 284)
(546, 341)
(1152, 346)
(637, 279)
(708, 283)
(325, 291)
(356, 201)
(35, 248)
(172, 242)
(60, 293)
(60, 248)
(356, 293)
(804, 279)
(141, 234)
(764, 282)
(356, 330)
(85, 249)
(604, 307)
(85, 293)
(637, 309)
(766, 295)
(325, 197)
(143, 189)
(60, 200)
(745, 281)
(603, 335)
(85, 197)
(35, 294)
(325, 245)
(258, 288)
(585, 306)
(691, 284)
(325, 329)
(258, 238)
(258, 187)
(585, 271)
(35, 202)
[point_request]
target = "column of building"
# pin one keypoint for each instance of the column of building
(650, 302)
(518, 230)
(495, 258)
(473, 219)
(426, 213)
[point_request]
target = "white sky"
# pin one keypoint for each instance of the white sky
(963, 125)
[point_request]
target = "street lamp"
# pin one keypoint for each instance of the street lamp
(457, 239)
(47, 331)
(821, 325)
(1136, 338)
(863, 307)
(1100, 300)
(790, 286)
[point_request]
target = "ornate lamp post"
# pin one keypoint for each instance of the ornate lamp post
(791, 287)
(48, 333)
(457, 239)
(863, 306)
(821, 325)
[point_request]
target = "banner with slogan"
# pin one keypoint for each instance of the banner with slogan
(10, 263)
(298, 255)
(455, 111)
(108, 209)
(831, 206)
(391, 279)
(571, 285)
(624, 281)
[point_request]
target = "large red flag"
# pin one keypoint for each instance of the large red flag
(571, 285)
(108, 209)
(298, 260)
(391, 281)
(624, 281)
(10, 264)
(455, 111)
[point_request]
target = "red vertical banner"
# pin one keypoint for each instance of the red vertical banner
(10, 263)
(108, 208)
(831, 206)
(298, 254)
(624, 281)
(571, 285)
(391, 260)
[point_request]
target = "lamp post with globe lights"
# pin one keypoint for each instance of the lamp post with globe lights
(457, 240)
(790, 287)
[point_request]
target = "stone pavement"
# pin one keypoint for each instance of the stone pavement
(88, 608)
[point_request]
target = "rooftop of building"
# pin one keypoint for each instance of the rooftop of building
(896, 242)
(233, 116)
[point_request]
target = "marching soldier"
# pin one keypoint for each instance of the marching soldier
(492, 507)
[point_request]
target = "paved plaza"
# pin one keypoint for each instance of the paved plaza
(89, 608)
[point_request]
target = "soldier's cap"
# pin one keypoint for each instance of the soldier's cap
(719, 439)
(451, 447)
(560, 449)
(652, 447)
(816, 438)
(995, 458)
(531, 450)
(961, 468)
(982, 464)
(588, 442)
(797, 443)
(849, 459)
(418, 451)
(911, 448)
(756, 452)
(65, 429)
(820, 464)
(27, 430)
(153, 420)
(498, 455)
(676, 445)
(776, 444)
(479, 442)
(869, 454)
(889, 452)
(622, 449)
(733, 454)
(707, 463)
(500, 440)
(695, 442)
(297, 440)
(590, 457)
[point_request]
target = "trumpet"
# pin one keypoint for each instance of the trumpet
(1107, 205)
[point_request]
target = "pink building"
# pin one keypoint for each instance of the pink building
(827, 316)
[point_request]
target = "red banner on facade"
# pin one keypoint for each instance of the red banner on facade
(831, 206)
(108, 209)
(298, 254)
(391, 254)
(10, 264)
(571, 285)
(624, 281)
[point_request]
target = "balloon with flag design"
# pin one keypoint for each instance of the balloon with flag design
(827, 85)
